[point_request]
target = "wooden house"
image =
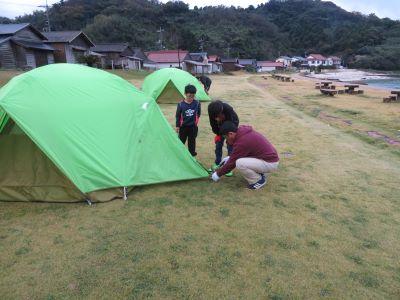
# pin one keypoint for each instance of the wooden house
(23, 46)
(231, 64)
(216, 64)
(69, 46)
(198, 63)
(119, 56)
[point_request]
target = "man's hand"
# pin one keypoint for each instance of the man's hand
(177, 129)
(215, 177)
(223, 161)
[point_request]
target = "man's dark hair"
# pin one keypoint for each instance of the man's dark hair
(190, 89)
(215, 108)
(226, 127)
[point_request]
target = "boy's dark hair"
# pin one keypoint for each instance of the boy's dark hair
(226, 127)
(215, 108)
(190, 89)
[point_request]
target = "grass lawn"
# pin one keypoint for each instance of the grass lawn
(327, 225)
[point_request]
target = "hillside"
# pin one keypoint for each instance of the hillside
(291, 27)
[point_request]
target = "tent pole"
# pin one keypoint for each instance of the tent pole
(125, 193)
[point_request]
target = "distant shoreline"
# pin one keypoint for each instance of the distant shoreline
(376, 80)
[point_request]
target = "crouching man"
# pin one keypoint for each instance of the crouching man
(253, 155)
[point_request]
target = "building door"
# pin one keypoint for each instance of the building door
(41, 58)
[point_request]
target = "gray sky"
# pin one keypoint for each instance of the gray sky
(382, 8)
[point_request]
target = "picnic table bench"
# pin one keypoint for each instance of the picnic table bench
(394, 97)
(328, 92)
(323, 85)
(397, 93)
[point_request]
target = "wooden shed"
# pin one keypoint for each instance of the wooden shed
(231, 64)
(23, 46)
(69, 45)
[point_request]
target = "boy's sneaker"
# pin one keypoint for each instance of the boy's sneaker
(259, 184)
(229, 174)
(213, 168)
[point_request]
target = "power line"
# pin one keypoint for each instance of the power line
(18, 4)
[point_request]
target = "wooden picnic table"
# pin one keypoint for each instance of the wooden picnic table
(328, 92)
(394, 97)
(325, 84)
(397, 93)
(350, 88)
(285, 78)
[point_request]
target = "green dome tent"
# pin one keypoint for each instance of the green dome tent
(70, 132)
(168, 85)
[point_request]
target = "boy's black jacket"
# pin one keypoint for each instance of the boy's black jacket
(230, 115)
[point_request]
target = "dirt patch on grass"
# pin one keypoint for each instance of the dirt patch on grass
(380, 136)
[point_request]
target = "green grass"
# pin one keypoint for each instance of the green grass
(325, 226)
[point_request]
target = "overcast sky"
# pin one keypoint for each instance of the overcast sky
(382, 8)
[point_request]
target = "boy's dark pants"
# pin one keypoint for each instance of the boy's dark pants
(189, 133)
(219, 148)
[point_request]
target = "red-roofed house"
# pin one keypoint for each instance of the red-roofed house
(268, 66)
(166, 59)
(316, 60)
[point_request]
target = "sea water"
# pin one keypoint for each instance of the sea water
(389, 84)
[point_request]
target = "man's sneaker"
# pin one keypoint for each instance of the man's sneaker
(229, 174)
(259, 184)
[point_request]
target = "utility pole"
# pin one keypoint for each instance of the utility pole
(201, 42)
(48, 27)
(160, 41)
(229, 50)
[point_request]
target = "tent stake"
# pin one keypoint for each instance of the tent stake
(125, 193)
(88, 201)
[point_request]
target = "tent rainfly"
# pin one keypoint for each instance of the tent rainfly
(168, 85)
(70, 133)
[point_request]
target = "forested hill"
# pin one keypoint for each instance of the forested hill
(278, 27)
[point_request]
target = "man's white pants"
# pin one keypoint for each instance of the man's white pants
(251, 168)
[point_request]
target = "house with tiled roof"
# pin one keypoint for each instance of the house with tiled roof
(167, 59)
(23, 46)
(120, 56)
(315, 60)
(70, 46)
(269, 66)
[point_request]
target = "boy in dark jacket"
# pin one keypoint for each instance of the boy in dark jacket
(253, 155)
(187, 117)
(219, 112)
